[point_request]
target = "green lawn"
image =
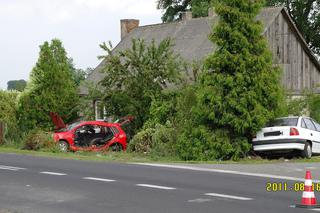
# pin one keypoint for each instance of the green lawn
(125, 157)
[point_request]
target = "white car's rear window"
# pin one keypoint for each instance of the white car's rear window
(283, 122)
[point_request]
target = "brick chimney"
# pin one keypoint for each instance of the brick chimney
(187, 15)
(127, 25)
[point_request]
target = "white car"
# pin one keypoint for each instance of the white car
(289, 134)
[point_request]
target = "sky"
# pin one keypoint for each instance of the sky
(80, 24)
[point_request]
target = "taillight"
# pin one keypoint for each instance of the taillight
(293, 131)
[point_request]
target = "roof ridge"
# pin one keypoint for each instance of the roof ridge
(270, 7)
(198, 18)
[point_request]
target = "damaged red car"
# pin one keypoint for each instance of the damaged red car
(89, 135)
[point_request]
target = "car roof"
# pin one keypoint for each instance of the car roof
(293, 117)
(297, 117)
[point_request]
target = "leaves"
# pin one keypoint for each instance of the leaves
(134, 76)
(238, 92)
(18, 85)
(51, 89)
(174, 8)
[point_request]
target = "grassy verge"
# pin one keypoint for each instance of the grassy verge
(125, 157)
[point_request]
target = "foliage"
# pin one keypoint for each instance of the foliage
(306, 16)
(201, 143)
(297, 106)
(78, 75)
(240, 89)
(51, 89)
(164, 140)
(238, 92)
(142, 141)
(39, 140)
(163, 108)
(314, 106)
(135, 76)
(173, 8)
(158, 141)
(309, 104)
(18, 85)
(8, 112)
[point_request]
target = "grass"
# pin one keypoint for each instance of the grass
(125, 157)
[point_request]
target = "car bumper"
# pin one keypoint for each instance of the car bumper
(285, 144)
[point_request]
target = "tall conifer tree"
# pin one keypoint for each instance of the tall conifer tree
(51, 89)
(240, 89)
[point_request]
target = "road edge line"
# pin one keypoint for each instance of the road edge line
(262, 175)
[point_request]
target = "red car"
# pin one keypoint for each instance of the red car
(89, 135)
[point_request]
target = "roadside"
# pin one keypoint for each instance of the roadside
(250, 164)
(276, 170)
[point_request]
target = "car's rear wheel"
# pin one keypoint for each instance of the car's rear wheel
(63, 146)
(307, 152)
(116, 147)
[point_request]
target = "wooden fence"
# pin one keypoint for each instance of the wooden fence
(2, 130)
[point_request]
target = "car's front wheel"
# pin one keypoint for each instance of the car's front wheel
(307, 152)
(63, 146)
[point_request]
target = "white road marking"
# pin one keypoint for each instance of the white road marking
(156, 186)
(226, 172)
(99, 179)
(11, 168)
(53, 173)
(228, 196)
(5, 168)
(199, 200)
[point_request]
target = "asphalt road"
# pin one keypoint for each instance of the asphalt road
(36, 184)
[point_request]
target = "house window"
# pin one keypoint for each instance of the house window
(100, 110)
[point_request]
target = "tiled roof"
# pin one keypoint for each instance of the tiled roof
(189, 36)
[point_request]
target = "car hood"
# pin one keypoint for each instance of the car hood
(57, 121)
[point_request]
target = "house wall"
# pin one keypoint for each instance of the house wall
(299, 71)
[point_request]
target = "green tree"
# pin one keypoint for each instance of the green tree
(239, 91)
(78, 75)
(51, 89)
(18, 85)
(136, 75)
(173, 8)
(8, 112)
(306, 15)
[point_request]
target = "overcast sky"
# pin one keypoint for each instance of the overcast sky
(81, 25)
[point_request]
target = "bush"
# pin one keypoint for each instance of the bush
(39, 140)
(135, 76)
(158, 141)
(8, 115)
(164, 141)
(314, 106)
(142, 141)
(308, 104)
(297, 106)
(200, 143)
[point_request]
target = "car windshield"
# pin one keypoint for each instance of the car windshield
(283, 122)
(73, 125)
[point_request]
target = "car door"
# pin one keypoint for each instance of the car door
(312, 134)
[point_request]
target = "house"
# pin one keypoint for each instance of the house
(301, 69)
